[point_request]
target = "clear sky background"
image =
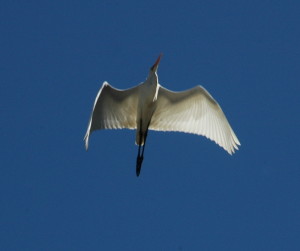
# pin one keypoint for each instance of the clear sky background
(191, 194)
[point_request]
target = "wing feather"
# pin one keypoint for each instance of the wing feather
(193, 111)
(113, 109)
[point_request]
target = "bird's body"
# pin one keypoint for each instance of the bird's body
(151, 106)
(145, 109)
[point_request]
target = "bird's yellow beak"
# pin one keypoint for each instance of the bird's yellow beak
(154, 67)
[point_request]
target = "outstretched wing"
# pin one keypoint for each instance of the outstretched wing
(113, 109)
(193, 111)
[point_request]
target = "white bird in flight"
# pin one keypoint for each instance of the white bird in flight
(151, 106)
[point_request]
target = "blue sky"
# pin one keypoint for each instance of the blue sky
(191, 195)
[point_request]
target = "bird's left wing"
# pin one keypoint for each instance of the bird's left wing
(113, 109)
(193, 111)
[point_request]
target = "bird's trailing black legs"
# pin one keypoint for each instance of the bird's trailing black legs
(139, 161)
(140, 156)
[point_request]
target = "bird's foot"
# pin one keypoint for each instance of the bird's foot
(139, 162)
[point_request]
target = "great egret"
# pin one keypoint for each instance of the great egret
(151, 106)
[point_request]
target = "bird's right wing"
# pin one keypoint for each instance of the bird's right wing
(193, 111)
(113, 109)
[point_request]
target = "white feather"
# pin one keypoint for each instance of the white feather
(193, 111)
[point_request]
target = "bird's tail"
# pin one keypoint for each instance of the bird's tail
(139, 138)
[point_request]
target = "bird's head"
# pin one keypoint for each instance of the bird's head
(153, 70)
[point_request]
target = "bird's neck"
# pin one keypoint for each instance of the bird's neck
(152, 78)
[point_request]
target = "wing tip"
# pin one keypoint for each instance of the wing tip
(87, 136)
(233, 148)
(86, 140)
